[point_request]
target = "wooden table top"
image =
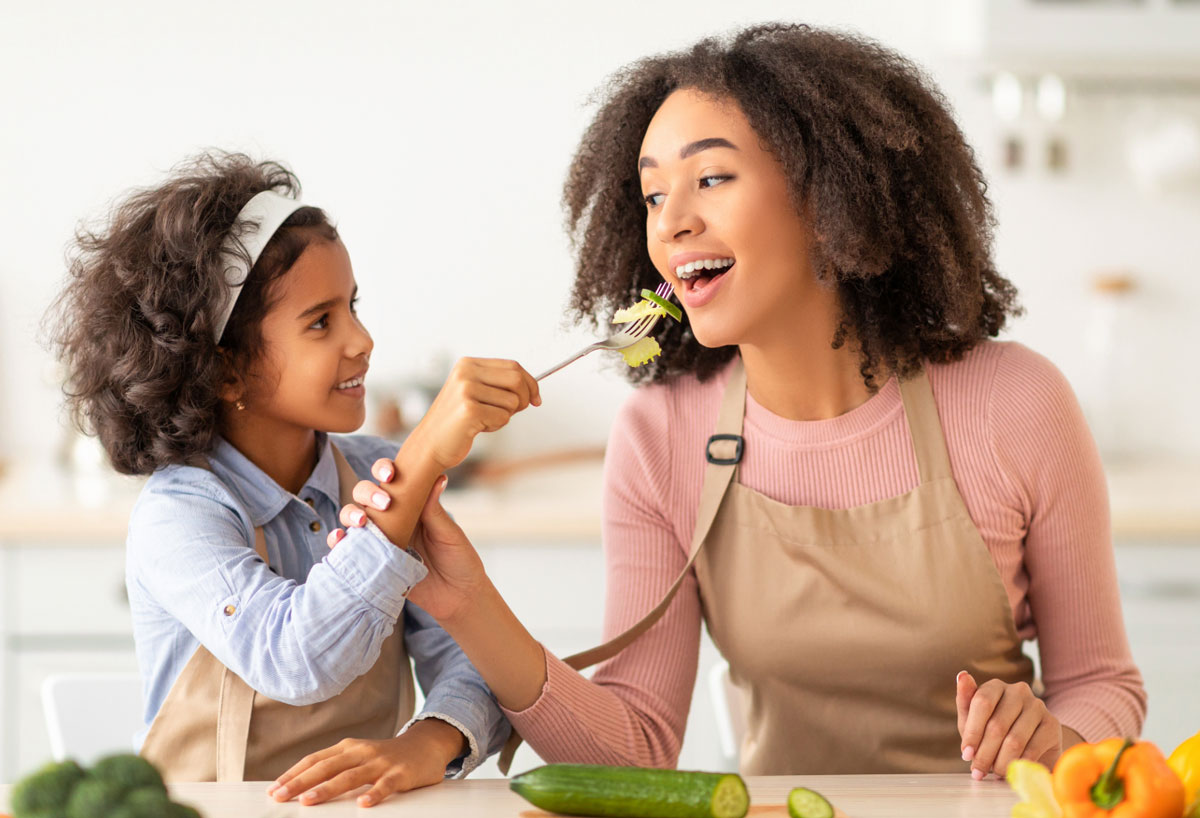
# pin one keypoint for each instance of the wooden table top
(855, 796)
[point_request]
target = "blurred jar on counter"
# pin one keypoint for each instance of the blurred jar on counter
(1111, 353)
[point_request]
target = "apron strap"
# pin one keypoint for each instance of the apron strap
(925, 429)
(717, 476)
(236, 702)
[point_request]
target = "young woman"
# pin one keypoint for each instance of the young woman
(212, 341)
(869, 503)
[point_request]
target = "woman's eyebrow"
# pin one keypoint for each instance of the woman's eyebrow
(690, 149)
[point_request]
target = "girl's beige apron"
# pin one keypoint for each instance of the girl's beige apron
(844, 629)
(215, 727)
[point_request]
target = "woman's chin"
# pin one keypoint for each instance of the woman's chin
(714, 336)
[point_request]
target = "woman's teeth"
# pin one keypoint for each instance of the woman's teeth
(695, 268)
(350, 384)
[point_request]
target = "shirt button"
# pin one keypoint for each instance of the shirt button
(309, 500)
(314, 525)
(230, 610)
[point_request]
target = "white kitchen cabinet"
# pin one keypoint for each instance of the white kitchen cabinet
(1097, 31)
(1160, 594)
(64, 610)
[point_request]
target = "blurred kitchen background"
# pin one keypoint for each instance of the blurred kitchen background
(438, 135)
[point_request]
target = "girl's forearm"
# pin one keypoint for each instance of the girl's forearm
(416, 472)
(506, 655)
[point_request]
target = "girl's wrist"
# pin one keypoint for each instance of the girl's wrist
(445, 741)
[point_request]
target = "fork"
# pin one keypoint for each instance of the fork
(627, 337)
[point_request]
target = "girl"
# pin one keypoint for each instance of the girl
(869, 503)
(212, 343)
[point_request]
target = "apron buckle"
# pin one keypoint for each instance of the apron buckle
(739, 448)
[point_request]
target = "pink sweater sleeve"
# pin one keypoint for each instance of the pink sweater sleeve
(634, 710)
(1042, 445)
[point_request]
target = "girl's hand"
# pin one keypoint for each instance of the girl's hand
(455, 571)
(481, 395)
(1002, 722)
(415, 758)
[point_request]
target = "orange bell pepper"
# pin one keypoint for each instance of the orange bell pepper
(1118, 778)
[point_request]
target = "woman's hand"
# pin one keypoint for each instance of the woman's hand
(415, 758)
(1002, 722)
(480, 395)
(455, 571)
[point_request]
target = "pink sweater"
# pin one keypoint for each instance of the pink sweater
(1027, 469)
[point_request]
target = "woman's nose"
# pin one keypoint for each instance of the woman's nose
(677, 218)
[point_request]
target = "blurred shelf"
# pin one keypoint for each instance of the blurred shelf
(1152, 500)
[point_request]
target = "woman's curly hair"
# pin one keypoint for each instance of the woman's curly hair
(901, 221)
(134, 323)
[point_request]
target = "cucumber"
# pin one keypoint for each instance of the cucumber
(806, 803)
(625, 792)
(671, 309)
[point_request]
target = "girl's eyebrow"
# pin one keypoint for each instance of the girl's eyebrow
(325, 305)
(690, 149)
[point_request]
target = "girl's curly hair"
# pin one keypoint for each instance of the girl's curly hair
(898, 205)
(134, 323)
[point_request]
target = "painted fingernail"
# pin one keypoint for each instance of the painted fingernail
(977, 775)
(311, 795)
(274, 786)
(960, 675)
(380, 500)
(358, 517)
(385, 473)
(968, 753)
(282, 792)
(366, 800)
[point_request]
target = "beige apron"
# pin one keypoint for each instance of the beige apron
(844, 629)
(214, 727)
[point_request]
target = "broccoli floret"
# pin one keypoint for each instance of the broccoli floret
(127, 770)
(46, 790)
(94, 798)
(182, 811)
(144, 802)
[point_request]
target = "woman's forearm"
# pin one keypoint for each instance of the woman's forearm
(506, 655)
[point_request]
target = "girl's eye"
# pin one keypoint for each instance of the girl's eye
(354, 305)
(320, 323)
(654, 199)
(713, 181)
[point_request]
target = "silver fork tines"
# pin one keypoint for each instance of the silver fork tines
(627, 337)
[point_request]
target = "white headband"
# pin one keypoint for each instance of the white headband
(252, 229)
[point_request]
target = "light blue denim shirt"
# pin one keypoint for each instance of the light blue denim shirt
(304, 631)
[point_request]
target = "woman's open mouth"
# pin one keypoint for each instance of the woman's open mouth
(701, 279)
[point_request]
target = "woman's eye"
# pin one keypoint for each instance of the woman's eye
(713, 181)
(654, 199)
(354, 305)
(320, 323)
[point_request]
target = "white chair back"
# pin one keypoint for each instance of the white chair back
(90, 715)
(728, 711)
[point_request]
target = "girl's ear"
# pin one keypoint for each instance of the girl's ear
(233, 387)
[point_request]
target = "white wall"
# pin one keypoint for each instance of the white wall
(438, 135)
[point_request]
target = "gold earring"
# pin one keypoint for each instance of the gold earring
(239, 405)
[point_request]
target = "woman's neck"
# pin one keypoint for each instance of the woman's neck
(288, 456)
(794, 372)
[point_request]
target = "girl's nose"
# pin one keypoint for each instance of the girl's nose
(360, 342)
